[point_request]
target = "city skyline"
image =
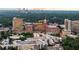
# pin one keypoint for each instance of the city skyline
(63, 9)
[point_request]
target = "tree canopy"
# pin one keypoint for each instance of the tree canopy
(70, 43)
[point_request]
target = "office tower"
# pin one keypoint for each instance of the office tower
(68, 24)
(17, 24)
(75, 26)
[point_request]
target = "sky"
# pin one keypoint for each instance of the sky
(41, 4)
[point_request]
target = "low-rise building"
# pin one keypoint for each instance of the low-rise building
(39, 27)
(28, 27)
(52, 29)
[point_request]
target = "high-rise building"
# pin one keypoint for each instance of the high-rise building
(17, 24)
(68, 25)
(75, 26)
(72, 26)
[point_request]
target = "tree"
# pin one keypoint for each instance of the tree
(5, 34)
(6, 22)
(27, 34)
(22, 38)
(70, 43)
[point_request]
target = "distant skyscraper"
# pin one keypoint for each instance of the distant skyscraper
(23, 10)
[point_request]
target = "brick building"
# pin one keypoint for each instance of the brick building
(28, 27)
(17, 25)
(52, 29)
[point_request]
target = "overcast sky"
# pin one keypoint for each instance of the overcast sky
(47, 4)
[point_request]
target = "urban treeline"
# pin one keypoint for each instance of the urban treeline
(34, 16)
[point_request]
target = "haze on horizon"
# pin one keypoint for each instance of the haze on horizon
(40, 4)
(69, 9)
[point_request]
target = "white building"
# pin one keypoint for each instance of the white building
(67, 23)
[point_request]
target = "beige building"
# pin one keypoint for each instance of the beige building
(68, 24)
(75, 26)
(26, 47)
(65, 33)
(71, 26)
